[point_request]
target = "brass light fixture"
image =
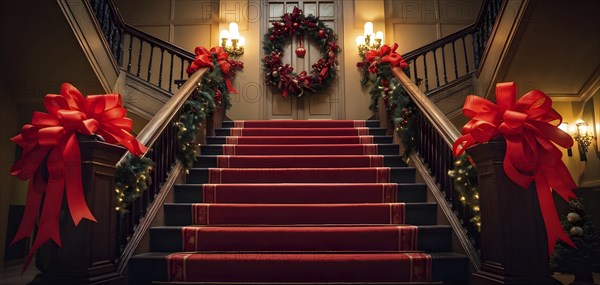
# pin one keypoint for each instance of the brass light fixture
(231, 41)
(583, 136)
(369, 40)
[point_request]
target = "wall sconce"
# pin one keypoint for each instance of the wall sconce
(369, 40)
(231, 41)
(583, 138)
(564, 126)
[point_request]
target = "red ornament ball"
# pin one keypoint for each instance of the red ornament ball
(321, 33)
(272, 37)
(296, 26)
(384, 83)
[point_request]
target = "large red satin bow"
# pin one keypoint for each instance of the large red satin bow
(223, 60)
(529, 127)
(52, 135)
(204, 58)
(385, 54)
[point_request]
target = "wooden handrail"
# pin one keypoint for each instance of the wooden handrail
(147, 37)
(449, 38)
(158, 42)
(449, 134)
(158, 123)
(439, 43)
(440, 122)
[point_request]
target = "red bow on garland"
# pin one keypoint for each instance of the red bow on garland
(385, 54)
(204, 58)
(529, 126)
(52, 135)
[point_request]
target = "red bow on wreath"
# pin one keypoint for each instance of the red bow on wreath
(385, 54)
(52, 136)
(204, 58)
(529, 127)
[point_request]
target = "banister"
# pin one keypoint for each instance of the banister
(411, 55)
(158, 123)
(441, 123)
(158, 42)
(147, 37)
(438, 163)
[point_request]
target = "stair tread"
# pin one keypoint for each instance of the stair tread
(299, 228)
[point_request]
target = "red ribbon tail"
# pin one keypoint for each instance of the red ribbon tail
(75, 198)
(554, 229)
(230, 86)
(48, 228)
(32, 206)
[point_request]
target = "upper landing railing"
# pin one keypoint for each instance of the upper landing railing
(149, 58)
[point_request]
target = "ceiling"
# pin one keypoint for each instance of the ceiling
(559, 50)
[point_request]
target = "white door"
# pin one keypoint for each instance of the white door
(327, 104)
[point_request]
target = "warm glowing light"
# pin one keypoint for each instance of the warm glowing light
(582, 127)
(234, 32)
(224, 34)
(242, 41)
(368, 29)
(379, 35)
(228, 43)
(564, 126)
(360, 40)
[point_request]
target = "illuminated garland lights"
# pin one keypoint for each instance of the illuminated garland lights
(464, 175)
(134, 175)
(132, 178)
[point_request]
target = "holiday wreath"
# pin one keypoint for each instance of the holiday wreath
(282, 75)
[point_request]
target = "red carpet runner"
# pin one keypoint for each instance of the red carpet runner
(299, 201)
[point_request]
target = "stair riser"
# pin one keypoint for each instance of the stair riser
(369, 124)
(191, 193)
(376, 140)
(372, 132)
(430, 239)
(144, 270)
(208, 161)
(397, 175)
(415, 214)
(382, 149)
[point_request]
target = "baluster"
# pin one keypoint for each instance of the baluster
(121, 43)
(444, 64)
(130, 48)
(437, 75)
(426, 74)
(150, 62)
(181, 75)
(171, 73)
(139, 65)
(466, 57)
(416, 79)
(160, 70)
(454, 56)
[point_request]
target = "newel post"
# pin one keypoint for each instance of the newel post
(215, 121)
(88, 253)
(513, 237)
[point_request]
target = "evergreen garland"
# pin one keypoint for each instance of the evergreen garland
(133, 175)
(132, 178)
(464, 176)
(199, 106)
(397, 102)
(580, 228)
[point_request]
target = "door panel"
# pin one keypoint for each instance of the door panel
(322, 105)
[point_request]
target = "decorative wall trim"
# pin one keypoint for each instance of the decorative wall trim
(79, 16)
